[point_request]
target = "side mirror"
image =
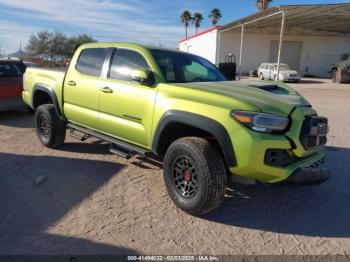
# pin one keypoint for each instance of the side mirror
(140, 76)
(144, 77)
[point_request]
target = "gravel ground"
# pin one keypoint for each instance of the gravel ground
(82, 200)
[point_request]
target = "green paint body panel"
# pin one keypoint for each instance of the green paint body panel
(132, 112)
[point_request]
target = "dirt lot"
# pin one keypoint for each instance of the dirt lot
(82, 200)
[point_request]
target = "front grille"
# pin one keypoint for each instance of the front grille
(314, 131)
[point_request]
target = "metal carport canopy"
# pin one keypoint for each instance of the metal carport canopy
(322, 19)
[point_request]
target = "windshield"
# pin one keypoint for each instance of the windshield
(11, 69)
(186, 68)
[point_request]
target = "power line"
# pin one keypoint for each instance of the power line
(17, 31)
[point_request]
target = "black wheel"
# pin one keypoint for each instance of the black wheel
(50, 129)
(261, 76)
(195, 175)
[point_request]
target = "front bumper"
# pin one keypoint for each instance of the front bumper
(251, 148)
(256, 168)
(308, 176)
(291, 79)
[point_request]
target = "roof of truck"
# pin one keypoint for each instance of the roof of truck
(126, 44)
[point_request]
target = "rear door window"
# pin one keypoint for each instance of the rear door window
(91, 61)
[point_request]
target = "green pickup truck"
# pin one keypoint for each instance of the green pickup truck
(179, 107)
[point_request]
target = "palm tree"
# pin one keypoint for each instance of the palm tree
(262, 4)
(186, 17)
(197, 20)
(215, 15)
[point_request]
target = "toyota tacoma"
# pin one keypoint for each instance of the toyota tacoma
(179, 107)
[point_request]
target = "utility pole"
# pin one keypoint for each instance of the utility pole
(280, 45)
(20, 51)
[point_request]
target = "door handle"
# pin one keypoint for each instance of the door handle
(72, 83)
(107, 90)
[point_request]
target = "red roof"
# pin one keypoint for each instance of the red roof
(200, 33)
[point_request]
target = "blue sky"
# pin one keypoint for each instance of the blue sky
(149, 22)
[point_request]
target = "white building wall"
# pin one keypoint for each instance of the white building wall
(319, 53)
(203, 45)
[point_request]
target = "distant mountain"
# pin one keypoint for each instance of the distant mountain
(18, 53)
(42, 56)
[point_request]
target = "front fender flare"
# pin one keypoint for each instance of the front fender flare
(198, 121)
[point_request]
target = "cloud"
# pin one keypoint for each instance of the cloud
(106, 20)
(13, 34)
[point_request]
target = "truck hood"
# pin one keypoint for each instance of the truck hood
(269, 97)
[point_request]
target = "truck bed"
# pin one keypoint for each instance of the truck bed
(48, 77)
(54, 69)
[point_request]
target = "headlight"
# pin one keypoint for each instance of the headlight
(261, 122)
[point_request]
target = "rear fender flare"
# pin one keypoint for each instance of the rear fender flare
(48, 90)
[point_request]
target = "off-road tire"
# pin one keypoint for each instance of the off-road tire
(56, 128)
(210, 173)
